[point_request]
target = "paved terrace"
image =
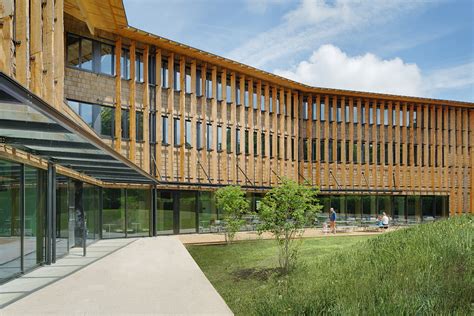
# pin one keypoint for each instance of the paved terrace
(141, 276)
(217, 238)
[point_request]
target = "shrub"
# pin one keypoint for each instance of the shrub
(231, 200)
(285, 211)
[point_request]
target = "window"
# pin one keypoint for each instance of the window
(347, 151)
(313, 105)
(362, 153)
(339, 112)
(139, 67)
(278, 110)
(198, 135)
(208, 86)
(378, 115)
(415, 154)
(187, 129)
(385, 116)
(209, 137)
(219, 138)
(164, 131)
(254, 99)
(371, 115)
(271, 145)
(414, 119)
(89, 55)
(176, 132)
(313, 150)
(187, 83)
(331, 114)
(386, 153)
(346, 114)
(339, 151)
(237, 92)
(237, 141)
(401, 118)
(246, 97)
(177, 78)
(255, 143)
(354, 153)
(293, 149)
(100, 118)
(401, 155)
(229, 140)
(125, 64)
(219, 90)
(394, 119)
(228, 93)
(285, 145)
(379, 157)
(125, 124)
(371, 153)
(247, 150)
(355, 118)
(364, 119)
(198, 83)
(330, 151)
(321, 151)
(278, 148)
(270, 102)
(164, 74)
(139, 125)
(305, 110)
(305, 149)
(262, 143)
(262, 101)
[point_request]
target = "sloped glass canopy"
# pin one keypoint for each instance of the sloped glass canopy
(31, 125)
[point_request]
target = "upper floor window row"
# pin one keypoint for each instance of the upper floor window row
(87, 54)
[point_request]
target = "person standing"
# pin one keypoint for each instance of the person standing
(332, 220)
(385, 220)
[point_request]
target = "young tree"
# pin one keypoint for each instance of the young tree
(231, 200)
(285, 211)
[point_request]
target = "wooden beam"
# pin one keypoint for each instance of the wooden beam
(132, 104)
(86, 17)
(118, 97)
(59, 53)
(146, 111)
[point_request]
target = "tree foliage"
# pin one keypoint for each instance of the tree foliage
(285, 212)
(233, 204)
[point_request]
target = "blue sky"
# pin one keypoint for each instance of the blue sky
(422, 48)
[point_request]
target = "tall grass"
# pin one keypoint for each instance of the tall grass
(426, 269)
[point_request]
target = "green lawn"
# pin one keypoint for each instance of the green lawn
(427, 269)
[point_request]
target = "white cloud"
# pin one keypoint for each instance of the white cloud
(330, 67)
(313, 22)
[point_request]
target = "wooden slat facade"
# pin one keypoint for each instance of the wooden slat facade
(399, 145)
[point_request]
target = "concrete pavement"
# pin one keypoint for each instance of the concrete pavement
(152, 276)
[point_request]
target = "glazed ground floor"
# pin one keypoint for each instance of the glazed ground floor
(44, 214)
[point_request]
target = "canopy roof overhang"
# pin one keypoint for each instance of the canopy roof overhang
(30, 125)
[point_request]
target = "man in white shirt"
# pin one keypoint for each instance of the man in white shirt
(385, 220)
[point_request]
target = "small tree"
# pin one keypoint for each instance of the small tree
(285, 211)
(231, 200)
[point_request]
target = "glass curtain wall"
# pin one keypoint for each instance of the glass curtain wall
(35, 217)
(10, 220)
(187, 211)
(62, 217)
(126, 213)
(17, 222)
(113, 213)
(91, 205)
(164, 212)
(138, 212)
(208, 215)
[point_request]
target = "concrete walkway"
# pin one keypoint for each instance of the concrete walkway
(46, 275)
(149, 276)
